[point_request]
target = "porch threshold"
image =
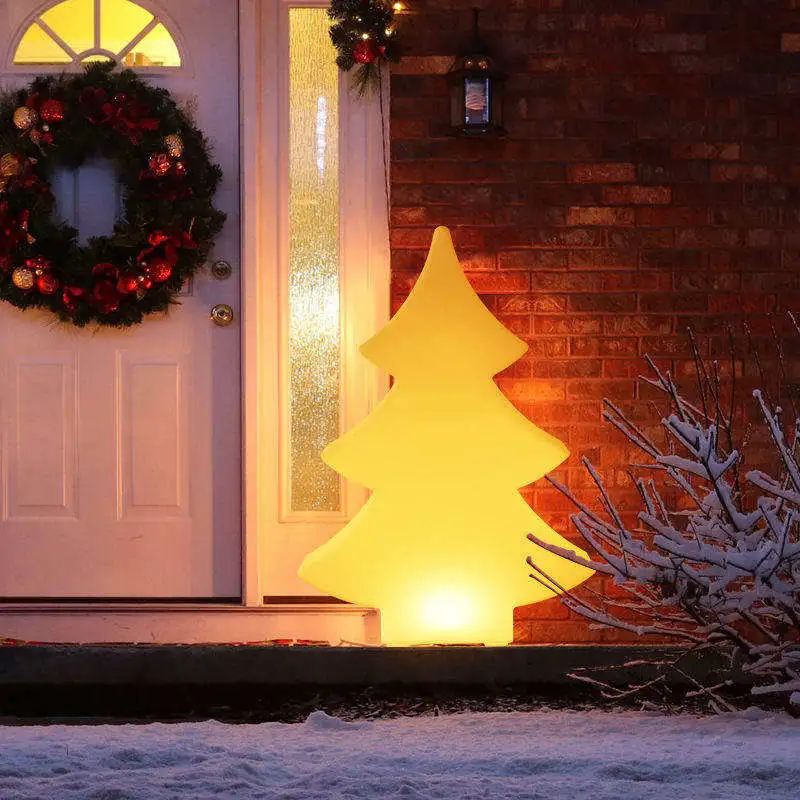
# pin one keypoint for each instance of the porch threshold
(289, 667)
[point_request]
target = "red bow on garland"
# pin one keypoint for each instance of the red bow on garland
(169, 245)
(125, 114)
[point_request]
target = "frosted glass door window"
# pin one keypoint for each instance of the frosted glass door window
(314, 360)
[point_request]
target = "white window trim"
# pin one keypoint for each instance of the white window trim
(272, 547)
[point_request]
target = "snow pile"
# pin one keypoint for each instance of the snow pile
(542, 754)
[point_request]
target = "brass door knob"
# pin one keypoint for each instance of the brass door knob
(222, 315)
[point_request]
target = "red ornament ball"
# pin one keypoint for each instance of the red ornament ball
(159, 164)
(365, 51)
(47, 284)
(159, 270)
(127, 284)
(52, 110)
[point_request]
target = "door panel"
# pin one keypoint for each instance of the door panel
(120, 451)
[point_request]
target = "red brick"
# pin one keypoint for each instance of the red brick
(631, 22)
(607, 303)
(410, 237)
(497, 282)
(546, 348)
(602, 173)
(531, 304)
(414, 215)
(743, 172)
(618, 347)
(673, 301)
(667, 345)
(552, 609)
(599, 215)
(708, 237)
(671, 43)
(547, 325)
(631, 325)
(790, 42)
(603, 259)
(637, 195)
(623, 368)
(722, 151)
(741, 303)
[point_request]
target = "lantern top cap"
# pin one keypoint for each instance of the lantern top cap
(475, 58)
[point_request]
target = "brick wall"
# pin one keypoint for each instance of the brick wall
(649, 182)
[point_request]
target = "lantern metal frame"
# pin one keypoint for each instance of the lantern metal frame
(474, 76)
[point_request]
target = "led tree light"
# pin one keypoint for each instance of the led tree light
(440, 546)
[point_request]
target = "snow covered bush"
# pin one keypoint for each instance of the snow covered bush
(712, 560)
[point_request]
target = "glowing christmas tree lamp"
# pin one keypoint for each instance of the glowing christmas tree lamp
(440, 546)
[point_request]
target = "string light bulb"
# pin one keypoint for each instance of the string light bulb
(365, 36)
(389, 31)
(398, 6)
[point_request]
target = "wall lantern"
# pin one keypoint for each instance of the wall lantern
(476, 87)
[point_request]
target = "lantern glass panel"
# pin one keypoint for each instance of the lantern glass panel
(477, 101)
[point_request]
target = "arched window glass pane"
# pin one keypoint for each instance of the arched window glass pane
(120, 22)
(37, 47)
(69, 32)
(156, 49)
(73, 22)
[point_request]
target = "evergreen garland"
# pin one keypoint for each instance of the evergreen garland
(364, 33)
(162, 161)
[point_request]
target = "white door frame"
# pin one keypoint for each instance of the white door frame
(365, 289)
(364, 276)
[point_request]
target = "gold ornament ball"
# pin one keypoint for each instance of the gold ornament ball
(11, 165)
(25, 118)
(174, 145)
(23, 278)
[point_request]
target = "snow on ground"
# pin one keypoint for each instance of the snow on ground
(552, 755)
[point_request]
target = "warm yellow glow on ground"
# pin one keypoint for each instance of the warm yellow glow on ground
(440, 546)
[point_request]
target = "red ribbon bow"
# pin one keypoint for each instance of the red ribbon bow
(126, 115)
(168, 245)
(105, 296)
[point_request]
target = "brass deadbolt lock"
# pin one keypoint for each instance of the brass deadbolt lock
(221, 269)
(222, 315)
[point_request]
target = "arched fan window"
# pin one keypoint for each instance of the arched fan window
(77, 31)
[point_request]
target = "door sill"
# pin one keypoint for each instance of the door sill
(191, 622)
(41, 601)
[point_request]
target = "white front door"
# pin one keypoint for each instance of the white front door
(120, 451)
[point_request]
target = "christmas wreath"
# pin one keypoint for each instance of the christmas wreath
(161, 159)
